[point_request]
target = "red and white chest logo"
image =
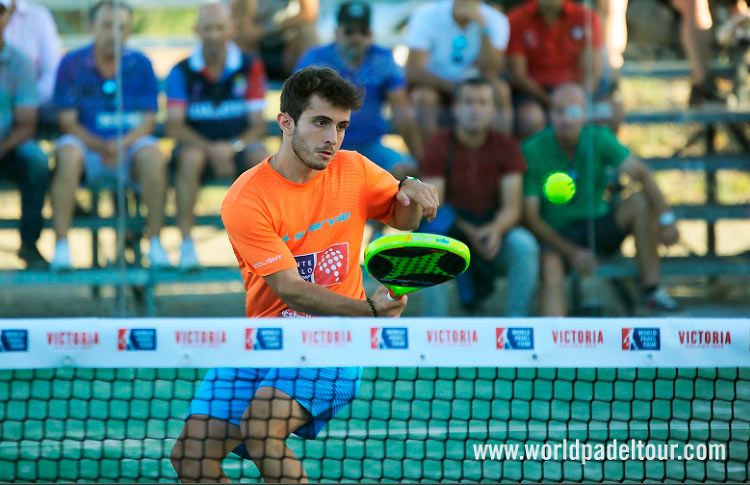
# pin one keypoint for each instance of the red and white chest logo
(325, 268)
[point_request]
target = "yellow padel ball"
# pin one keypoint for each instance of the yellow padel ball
(559, 188)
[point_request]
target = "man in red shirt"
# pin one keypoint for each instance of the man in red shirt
(479, 172)
(552, 42)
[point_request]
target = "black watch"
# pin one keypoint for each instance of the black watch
(408, 178)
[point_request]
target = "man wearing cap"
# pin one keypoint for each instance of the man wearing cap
(373, 69)
(20, 158)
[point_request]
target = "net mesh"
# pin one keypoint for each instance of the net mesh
(408, 424)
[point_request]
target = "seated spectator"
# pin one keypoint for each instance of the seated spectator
(563, 230)
(86, 96)
(216, 100)
(372, 68)
(695, 36)
(552, 42)
(449, 41)
(33, 31)
(479, 174)
(20, 158)
(279, 31)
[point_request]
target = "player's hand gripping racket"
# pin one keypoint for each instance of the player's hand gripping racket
(405, 263)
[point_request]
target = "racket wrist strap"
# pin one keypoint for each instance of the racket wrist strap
(372, 308)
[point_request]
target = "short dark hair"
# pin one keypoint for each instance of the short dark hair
(111, 4)
(322, 81)
(473, 81)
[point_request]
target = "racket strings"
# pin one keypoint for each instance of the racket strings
(424, 264)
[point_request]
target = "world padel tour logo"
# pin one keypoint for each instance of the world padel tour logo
(641, 339)
(136, 339)
(392, 338)
(514, 338)
(264, 339)
(326, 338)
(463, 337)
(14, 340)
(200, 338)
(326, 268)
(72, 340)
(698, 339)
(576, 338)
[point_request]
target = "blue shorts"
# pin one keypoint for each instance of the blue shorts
(385, 157)
(95, 169)
(225, 393)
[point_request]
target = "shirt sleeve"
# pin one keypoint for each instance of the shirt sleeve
(395, 78)
(254, 240)
(418, 31)
(26, 96)
(597, 38)
(380, 192)
(433, 164)
(515, 41)
(532, 186)
(256, 86)
(499, 28)
(50, 50)
(175, 86)
(308, 59)
(513, 160)
(66, 92)
(149, 86)
(613, 152)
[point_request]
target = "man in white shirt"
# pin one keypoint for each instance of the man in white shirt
(449, 41)
(32, 31)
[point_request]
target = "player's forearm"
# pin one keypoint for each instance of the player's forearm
(406, 217)
(309, 298)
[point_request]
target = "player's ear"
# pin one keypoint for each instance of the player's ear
(285, 122)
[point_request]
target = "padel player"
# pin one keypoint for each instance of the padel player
(296, 222)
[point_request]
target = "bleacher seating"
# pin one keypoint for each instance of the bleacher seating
(707, 265)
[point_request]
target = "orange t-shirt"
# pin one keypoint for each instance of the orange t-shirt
(275, 224)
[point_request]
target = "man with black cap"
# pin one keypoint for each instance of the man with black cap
(373, 69)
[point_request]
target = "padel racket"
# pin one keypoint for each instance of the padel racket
(405, 263)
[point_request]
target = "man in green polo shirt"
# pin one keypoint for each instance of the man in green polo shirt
(594, 158)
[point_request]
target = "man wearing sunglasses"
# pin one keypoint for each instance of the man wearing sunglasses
(449, 41)
(20, 158)
(373, 69)
(595, 159)
(86, 94)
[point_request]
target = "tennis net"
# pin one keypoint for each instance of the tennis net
(440, 399)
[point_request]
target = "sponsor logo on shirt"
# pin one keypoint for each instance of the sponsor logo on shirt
(514, 338)
(266, 262)
(325, 268)
(72, 340)
(463, 337)
(264, 339)
(575, 338)
(641, 339)
(317, 226)
(129, 339)
(693, 339)
(12, 340)
(393, 338)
